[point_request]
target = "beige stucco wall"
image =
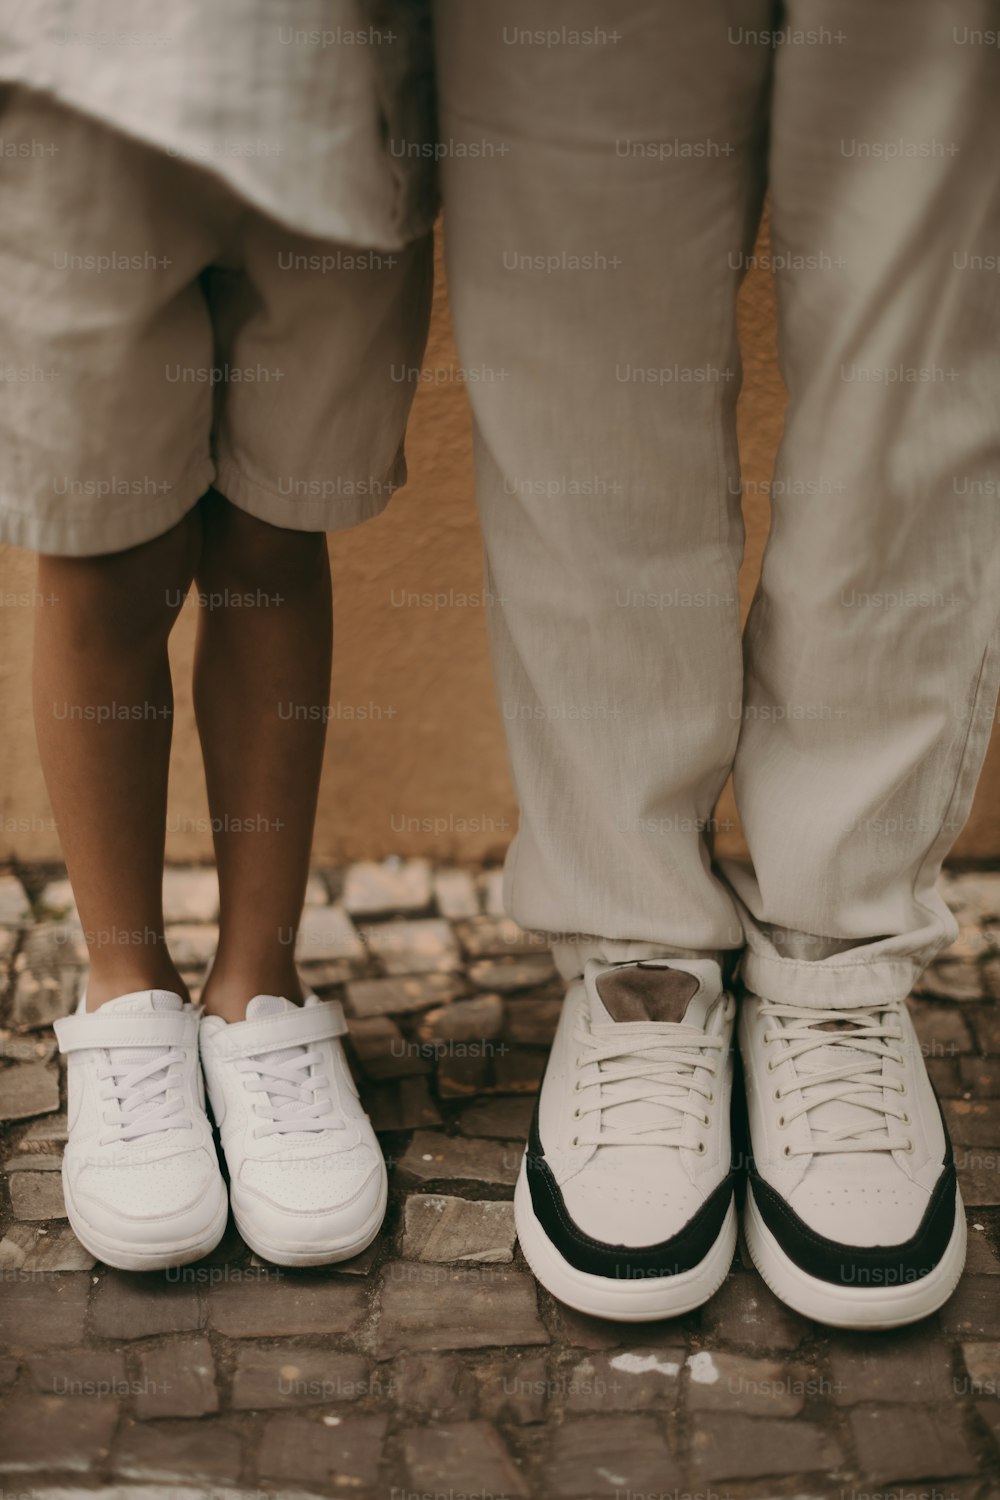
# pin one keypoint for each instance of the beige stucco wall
(426, 773)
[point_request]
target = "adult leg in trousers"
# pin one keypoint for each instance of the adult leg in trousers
(871, 649)
(594, 241)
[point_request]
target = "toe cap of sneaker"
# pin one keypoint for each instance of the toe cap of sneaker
(142, 1202)
(852, 1211)
(308, 1204)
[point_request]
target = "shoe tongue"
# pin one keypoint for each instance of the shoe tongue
(268, 1005)
(143, 1000)
(660, 990)
(664, 991)
(260, 1007)
(837, 1113)
(140, 1002)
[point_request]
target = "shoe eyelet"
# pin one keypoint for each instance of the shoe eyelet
(576, 1114)
(781, 1122)
(776, 1093)
(909, 1148)
(770, 1065)
(905, 1119)
(706, 1120)
(786, 1151)
(574, 1143)
(710, 1097)
(702, 1148)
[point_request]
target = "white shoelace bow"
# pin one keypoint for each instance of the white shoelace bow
(297, 1099)
(645, 1067)
(143, 1093)
(853, 1080)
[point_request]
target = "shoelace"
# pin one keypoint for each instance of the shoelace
(297, 1099)
(143, 1094)
(853, 1080)
(645, 1067)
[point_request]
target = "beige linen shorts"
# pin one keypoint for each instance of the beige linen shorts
(159, 336)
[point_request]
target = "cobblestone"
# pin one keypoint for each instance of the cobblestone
(177, 1380)
(41, 1312)
(342, 1453)
(454, 1229)
(187, 1450)
(423, 947)
(435, 1386)
(465, 1020)
(455, 894)
(37, 1195)
(514, 1390)
(372, 890)
(606, 1455)
(744, 1312)
(127, 1306)
(403, 1105)
(55, 1432)
(497, 937)
(265, 1377)
(15, 908)
(399, 996)
(276, 1304)
(328, 946)
(643, 1380)
(510, 975)
(895, 1444)
(190, 894)
(905, 1366)
(465, 1457)
(48, 972)
(29, 1247)
(500, 1119)
(719, 1381)
(433, 1307)
(432, 1363)
(27, 1089)
(730, 1446)
(86, 1372)
(434, 1157)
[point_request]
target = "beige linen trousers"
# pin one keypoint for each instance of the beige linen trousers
(604, 166)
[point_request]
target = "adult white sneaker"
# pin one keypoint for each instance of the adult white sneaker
(141, 1178)
(853, 1214)
(624, 1205)
(307, 1180)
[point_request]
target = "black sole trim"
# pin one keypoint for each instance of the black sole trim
(877, 1266)
(682, 1252)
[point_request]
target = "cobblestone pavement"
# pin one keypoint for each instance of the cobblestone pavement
(433, 1365)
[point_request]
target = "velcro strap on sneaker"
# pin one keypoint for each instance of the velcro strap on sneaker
(168, 1028)
(298, 1028)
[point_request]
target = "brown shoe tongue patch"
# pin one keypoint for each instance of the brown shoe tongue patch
(636, 993)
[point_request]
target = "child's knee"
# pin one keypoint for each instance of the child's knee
(126, 600)
(252, 556)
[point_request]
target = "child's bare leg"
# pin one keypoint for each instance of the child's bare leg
(103, 717)
(262, 682)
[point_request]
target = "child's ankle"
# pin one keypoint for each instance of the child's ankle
(229, 995)
(104, 986)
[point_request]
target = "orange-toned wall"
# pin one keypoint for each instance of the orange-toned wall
(425, 771)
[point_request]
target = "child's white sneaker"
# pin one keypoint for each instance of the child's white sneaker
(307, 1180)
(140, 1175)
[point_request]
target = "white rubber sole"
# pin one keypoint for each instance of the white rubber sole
(854, 1306)
(316, 1255)
(122, 1256)
(622, 1301)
